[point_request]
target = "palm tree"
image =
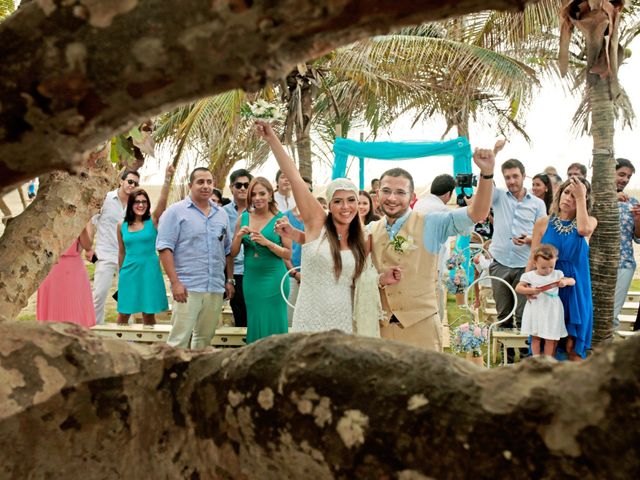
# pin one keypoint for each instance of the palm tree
(603, 101)
(433, 69)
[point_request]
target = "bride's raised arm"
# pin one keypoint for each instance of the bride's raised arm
(311, 211)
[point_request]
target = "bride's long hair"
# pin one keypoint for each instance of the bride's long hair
(355, 240)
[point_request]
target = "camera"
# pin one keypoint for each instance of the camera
(466, 180)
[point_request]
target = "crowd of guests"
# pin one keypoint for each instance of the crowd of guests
(364, 262)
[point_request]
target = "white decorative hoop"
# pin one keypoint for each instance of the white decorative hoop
(286, 275)
(494, 324)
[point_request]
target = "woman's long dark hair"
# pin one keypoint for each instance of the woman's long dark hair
(371, 214)
(356, 243)
(129, 216)
(548, 195)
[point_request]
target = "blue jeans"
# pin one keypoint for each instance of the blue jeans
(625, 276)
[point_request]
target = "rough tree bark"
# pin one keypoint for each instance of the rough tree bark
(73, 74)
(33, 241)
(307, 406)
(605, 242)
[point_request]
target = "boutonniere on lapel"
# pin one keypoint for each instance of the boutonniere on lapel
(402, 245)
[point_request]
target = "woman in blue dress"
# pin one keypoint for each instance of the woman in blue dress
(568, 228)
(140, 282)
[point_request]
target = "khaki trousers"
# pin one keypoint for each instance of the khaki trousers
(195, 320)
(426, 333)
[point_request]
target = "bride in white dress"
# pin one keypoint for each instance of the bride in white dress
(334, 250)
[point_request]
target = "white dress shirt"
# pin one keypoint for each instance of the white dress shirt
(284, 203)
(106, 223)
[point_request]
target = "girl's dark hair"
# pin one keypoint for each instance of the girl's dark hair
(548, 196)
(129, 216)
(273, 207)
(371, 214)
(546, 251)
(556, 199)
(356, 243)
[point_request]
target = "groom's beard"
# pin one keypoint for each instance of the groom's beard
(396, 215)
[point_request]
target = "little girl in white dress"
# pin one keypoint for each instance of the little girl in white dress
(543, 315)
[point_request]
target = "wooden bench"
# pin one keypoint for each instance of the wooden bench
(633, 296)
(626, 334)
(224, 336)
(630, 308)
(508, 338)
(626, 322)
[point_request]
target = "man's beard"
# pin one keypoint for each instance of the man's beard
(394, 215)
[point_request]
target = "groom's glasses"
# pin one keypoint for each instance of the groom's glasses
(132, 182)
(240, 185)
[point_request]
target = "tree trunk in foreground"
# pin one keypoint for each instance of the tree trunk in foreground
(33, 241)
(74, 74)
(307, 406)
(605, 242)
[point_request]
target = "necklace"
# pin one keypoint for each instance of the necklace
(561, 228)
(339, 237)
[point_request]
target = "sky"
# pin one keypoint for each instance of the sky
(548, 124)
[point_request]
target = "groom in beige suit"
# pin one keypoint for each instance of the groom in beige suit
(411, 309)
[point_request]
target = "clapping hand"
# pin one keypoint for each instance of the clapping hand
(244, 231)
(258, 238)
(283, 227)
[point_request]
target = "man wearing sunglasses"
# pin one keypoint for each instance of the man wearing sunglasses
(239, 181)
(106, 249)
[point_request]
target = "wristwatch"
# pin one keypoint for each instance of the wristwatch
(232, 281)
(486, 177)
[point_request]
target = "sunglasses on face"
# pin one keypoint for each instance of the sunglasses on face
(239, 185)
(132, 182)
(140, 202)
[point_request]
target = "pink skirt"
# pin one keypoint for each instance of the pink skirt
(65, 295)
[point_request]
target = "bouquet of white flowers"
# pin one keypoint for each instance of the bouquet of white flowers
(262, 110)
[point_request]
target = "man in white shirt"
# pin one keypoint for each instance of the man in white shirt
(283, 197)
(442, 189)
(106, 249)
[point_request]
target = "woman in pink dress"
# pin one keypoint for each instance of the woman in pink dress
(65, 295)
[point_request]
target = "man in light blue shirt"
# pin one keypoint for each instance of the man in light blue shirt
(515, 212)
(239, 184)
(194, 241)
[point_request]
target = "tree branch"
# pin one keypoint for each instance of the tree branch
(307, 406)
(33, 241)
(73, 74)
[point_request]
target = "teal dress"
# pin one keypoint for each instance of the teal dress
(263, 272)
(140, 283)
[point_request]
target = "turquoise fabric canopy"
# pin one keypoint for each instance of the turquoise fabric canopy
(459, 148)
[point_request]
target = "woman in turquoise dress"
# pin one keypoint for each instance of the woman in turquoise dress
(141, 286)
(568, 229)
(264, 268)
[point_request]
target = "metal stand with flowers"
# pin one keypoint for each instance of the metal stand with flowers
(457, 282)
(469, 338)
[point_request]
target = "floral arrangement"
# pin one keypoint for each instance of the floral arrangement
(457, 282)
(262, 110)
(469, 337)
(402, 245)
